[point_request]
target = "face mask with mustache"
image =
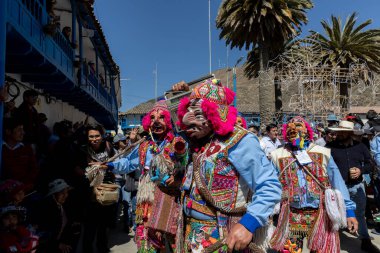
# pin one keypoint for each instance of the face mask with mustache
(157, 122)
(197, 126)
(297, 134)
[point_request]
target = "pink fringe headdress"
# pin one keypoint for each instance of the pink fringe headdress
(215, 104)
(160, 105)
(297, 119)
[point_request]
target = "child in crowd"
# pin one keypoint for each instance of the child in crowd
(15, 237)
(12, 192)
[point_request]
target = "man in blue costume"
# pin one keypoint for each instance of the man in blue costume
(159, 162)
(230, 188)
(315, 200)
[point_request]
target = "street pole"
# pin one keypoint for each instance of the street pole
(234, 78)
(228, 71)
(3, 40)
(209, 32)
(155, 83)
(234, 83)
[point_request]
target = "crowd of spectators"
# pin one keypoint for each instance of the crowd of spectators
(47, 203)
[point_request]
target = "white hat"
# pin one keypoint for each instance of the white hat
(57, 185)
(344, 125)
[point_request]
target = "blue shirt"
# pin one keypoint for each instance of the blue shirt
(131, 162)
(375, 149)
(336, 182)
(260, 176)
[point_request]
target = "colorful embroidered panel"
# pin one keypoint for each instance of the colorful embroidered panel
(219, 174)
(307, 190)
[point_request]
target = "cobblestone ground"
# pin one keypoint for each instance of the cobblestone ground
(123, 243)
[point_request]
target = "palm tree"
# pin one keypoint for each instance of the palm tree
(345, 45)
(252, 67)
(265, 26)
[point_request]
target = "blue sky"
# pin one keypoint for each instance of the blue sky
(174, 34)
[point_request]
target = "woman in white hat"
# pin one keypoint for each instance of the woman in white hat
(60, 230)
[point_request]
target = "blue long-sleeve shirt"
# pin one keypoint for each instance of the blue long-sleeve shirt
(336, 182)
(375, 149)
(131, 162)
(259, 175)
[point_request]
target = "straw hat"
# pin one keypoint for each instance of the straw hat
(344, 125)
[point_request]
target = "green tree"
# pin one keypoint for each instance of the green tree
(342, 46)
(265, 26)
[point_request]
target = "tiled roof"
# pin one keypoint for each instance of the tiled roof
(140, 109)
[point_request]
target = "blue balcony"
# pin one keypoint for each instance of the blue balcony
(47, 61)
(27, 41)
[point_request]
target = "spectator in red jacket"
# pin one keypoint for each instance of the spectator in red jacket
(19, 161)
(14, 237)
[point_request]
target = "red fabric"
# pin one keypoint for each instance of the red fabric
(19, 164)
(20, 238)
(211, 112)
(182, 110)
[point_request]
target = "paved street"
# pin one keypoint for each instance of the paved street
(123, 243)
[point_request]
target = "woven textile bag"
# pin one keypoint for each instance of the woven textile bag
(165, 213)
(107, 194)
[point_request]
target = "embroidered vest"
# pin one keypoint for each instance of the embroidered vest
(220, 176)
(166, 150)
(292, 188)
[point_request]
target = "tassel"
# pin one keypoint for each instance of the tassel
(304, 246)
(317, 236)
(282, 230)
(276, 209)
(331, 242)
(145, 193)
(342, 209)
(180, 239)
(332, 209)
(263, 235)
(302, 143)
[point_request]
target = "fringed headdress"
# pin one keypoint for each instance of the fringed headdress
(215, 103)
(159, 105)
(292, 137)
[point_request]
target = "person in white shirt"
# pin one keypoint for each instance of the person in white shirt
(270, 142)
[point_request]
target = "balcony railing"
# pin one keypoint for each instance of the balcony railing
(92, 86)
(64, 44)
(28, 17)
(36, 8)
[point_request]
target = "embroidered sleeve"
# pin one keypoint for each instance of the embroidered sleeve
(261, 177)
